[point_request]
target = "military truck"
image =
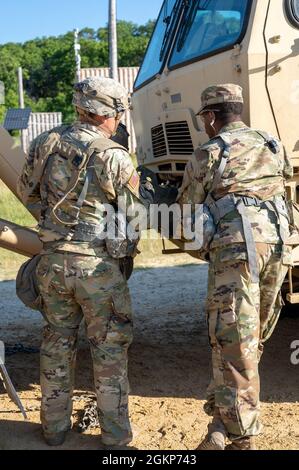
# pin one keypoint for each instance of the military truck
(254, 43)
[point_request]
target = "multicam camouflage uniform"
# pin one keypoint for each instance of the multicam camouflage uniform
(241, 314)
(78, 278)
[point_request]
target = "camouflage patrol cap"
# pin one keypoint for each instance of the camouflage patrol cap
(228, 93)
(101, 96)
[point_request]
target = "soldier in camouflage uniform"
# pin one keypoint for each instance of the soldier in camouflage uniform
(249, 259)
(77, 277)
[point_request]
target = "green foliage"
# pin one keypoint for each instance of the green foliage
(11, 209)
(49, 65)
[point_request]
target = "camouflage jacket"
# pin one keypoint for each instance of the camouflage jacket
(115, 177)
(252, 170)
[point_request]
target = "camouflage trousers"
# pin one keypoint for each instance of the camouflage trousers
(241, 318)
(76, 287)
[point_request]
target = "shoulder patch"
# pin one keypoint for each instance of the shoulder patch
(134, 183)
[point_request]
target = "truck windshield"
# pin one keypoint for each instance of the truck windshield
(160, 41)
(208, 27)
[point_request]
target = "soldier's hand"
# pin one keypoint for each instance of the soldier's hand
(150, 185)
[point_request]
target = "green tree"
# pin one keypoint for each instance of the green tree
(49, 64)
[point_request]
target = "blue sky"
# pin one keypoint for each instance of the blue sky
(21, 20)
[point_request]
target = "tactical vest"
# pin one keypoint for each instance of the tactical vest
(80, 157)
(216, 210)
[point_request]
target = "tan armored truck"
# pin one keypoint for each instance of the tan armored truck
(254, 43)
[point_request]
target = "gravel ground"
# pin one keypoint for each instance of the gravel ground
(169, 369)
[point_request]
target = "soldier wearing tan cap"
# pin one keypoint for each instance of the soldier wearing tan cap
(240, 175)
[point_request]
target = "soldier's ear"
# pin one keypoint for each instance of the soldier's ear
(212, 118)
(98, 119)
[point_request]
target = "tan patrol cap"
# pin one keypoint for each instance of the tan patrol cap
(218, 94)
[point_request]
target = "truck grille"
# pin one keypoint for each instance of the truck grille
(158, 141)
(179, 138)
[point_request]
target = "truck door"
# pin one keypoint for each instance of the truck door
(282, 78)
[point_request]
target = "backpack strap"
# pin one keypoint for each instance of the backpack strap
(221, 168)
(102, 145)
(250, 241)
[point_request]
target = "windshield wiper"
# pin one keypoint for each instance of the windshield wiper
(189, 20)
(169, 20)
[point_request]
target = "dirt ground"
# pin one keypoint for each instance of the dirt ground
(169, 369)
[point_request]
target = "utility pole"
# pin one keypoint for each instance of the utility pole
(113, 55)
(21, 88)
(24, 132)
(77, 48)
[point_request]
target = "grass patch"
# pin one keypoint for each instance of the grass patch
(11, 209)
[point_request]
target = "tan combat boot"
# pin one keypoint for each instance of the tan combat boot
(246, 443)
(216, 437)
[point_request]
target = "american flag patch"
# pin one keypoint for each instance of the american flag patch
(134, 181)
